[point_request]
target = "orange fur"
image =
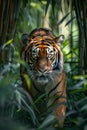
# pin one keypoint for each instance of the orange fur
(43, 51)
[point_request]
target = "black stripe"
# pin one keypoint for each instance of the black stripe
(41, 35)
(54, 88)
(50, 90)
(45, 42)
(24, 55)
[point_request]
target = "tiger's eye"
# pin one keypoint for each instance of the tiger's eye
(50, 53)
(35, 53)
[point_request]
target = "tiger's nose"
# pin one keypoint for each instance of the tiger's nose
(43, 70)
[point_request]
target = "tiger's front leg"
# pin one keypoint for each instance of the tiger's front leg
(58, 100)
(61, 109)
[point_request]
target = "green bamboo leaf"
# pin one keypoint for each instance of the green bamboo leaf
(7, 43)
(77, 77)
(29, 109)
(84, 108)
(39, 98)
(70, 113)
(81, 101)
(48, 121)
(26, 77)
(22, 93)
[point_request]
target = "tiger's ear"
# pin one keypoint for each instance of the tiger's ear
(59, 39)
(25, 38)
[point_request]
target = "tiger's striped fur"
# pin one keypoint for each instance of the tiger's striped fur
(44, 57)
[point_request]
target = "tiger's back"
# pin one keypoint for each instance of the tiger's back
(45, 68)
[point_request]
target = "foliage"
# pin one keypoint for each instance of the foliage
(16, 106)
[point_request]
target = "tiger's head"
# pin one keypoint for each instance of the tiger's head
(43, 54)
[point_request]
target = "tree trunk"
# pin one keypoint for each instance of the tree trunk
(9, 10)
(82, 25)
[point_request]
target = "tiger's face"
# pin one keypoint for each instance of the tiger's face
(43, 55)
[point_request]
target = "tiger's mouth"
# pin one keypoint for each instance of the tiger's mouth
(42, 79)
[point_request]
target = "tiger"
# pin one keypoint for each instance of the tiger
(43, 55)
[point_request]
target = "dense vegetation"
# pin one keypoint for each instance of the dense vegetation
(69, 17)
